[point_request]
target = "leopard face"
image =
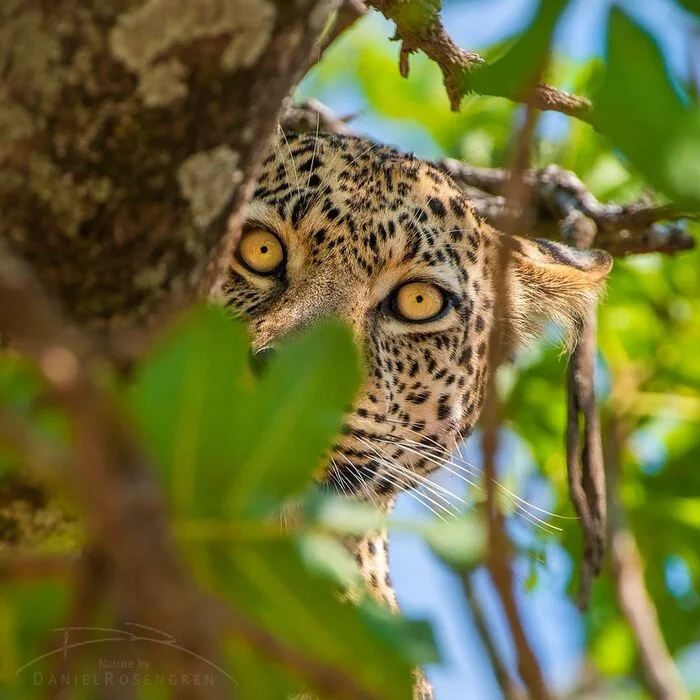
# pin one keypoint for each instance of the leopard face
(341, 226)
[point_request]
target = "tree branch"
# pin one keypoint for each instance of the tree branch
(20, 566)
(124, 510)
(635, 603)
(562, 208)
(418, 26)
(135, 167)
(559, 206)
(511, 690)
(498, 554)
(346, 15)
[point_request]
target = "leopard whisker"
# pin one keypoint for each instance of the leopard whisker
(364, 485)
(291, 157)
(515, 496)
(407, 486)
(426, 483)
(455, 468)
(522, 504)
(313, 155)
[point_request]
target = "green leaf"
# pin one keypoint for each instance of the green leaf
(514, 72)
(326, 555)
(644, 114)
(189, 401)
(613, 650)
(690, 5)
(226, 441)
(304, 611)
(459, 541)
(297, 410)
(413, 639)
(29, 614)
(341, 516)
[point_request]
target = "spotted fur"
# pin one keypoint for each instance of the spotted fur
(357, 220)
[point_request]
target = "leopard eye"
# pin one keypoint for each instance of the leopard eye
(260, 251)
(419, 301)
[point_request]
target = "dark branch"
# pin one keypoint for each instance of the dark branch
(418, 27)
(585, 461)
(510, 688)
(560, 207)
(636, 605)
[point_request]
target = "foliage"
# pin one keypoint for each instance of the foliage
(646, 134)
(230, 448)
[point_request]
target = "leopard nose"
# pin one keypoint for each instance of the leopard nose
(259, 359)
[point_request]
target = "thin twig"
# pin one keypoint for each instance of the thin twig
(508, 685)
(499, 547)
(346, 15)
(420, 28)
(17, 566)
(560, 207)
(636, 605)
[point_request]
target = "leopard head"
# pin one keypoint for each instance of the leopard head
(341, 226)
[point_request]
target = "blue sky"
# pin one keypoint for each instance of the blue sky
(425, 587)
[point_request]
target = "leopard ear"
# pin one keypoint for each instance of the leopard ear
(550, 282)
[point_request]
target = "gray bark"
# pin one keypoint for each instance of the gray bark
(130, 136)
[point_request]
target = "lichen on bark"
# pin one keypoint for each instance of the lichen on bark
(142, 36)
(131, 131)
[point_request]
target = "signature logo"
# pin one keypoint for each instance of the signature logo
(120, 671)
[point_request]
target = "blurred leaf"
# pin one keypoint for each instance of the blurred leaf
(29, 614)
(188, 400)
(613, 650)
(216, 430)
(637, 105)
(690, 5)
(413, 639)
(302, 610)
(343, 516)
(515, 72)
(459, 541)
(326, 555)
(296, 411)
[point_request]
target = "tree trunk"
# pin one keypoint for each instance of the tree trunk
(130, 136)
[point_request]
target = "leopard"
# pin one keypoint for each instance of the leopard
(340, 225)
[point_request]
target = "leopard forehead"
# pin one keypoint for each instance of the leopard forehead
(357, 220)
(366, 209)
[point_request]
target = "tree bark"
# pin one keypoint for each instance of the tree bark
(131, 132)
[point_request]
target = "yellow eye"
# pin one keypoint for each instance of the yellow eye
(419, 301)
(260, 251)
